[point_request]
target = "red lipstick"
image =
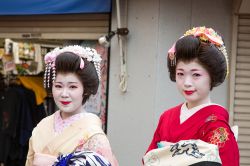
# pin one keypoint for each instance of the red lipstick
(188, 92)
(65, 102)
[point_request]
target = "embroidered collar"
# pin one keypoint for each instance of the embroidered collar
(61, 124)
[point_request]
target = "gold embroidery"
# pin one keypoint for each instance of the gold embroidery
(219, 136)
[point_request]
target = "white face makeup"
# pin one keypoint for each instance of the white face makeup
(193, 82)
(68, 91)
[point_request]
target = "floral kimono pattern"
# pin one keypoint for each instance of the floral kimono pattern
(46, 145)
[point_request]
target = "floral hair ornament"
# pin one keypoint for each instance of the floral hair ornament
(205, 35)
(89, 54)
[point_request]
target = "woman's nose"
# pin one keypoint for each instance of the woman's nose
(64, 92)
(187, 82)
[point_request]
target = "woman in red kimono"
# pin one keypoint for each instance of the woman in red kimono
(197, 62)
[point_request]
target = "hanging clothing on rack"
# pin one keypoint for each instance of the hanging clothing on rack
(36, 84)
(18, 116)
(10, 103)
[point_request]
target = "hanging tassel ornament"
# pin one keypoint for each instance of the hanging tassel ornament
(171, 55)
(48, 75)
(53, 74)
(45, 76)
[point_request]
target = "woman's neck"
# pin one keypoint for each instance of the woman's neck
(65, 115)
(191, 105)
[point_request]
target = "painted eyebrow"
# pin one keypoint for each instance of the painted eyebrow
(73, 82)
(191, 69)
(68, 82)
(195, 70)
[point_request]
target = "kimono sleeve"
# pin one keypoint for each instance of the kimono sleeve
(156, 137)
(30, 155)
(99, 143)
(220, 134)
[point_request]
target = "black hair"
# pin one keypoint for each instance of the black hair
(190, 48)
(68, 62)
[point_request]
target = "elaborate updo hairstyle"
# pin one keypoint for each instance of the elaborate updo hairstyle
(85, 62)
(190, 48)
(68, 62)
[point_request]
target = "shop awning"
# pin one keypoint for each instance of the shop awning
(31, 7)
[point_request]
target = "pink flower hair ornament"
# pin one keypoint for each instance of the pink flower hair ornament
(88, 53)
(205, 35)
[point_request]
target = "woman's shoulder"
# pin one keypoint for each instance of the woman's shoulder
(217, 106)
(89, 119)
(172, 110)
(46, 121)
(91, 123)
(92, 115)
(46, 125)
(219, 111)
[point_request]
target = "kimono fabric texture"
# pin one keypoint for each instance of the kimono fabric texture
(47, 146)
(185, 152)
(209, 124)
(80, 158)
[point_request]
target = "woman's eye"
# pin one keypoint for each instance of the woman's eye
(196, 75)
(179, 74)
(73, 87)
(58, 86)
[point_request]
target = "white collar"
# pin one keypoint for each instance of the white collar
(187, 113)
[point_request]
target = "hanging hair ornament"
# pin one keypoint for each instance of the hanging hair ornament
(53, 73)
(89, 54)
(205, 35)
(45, 75)
(48, 74)
(171, 55)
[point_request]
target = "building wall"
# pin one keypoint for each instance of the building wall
(154, 25)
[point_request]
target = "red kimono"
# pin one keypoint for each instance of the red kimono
(209, 124)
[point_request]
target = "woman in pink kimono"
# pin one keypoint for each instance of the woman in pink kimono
(70, 135)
